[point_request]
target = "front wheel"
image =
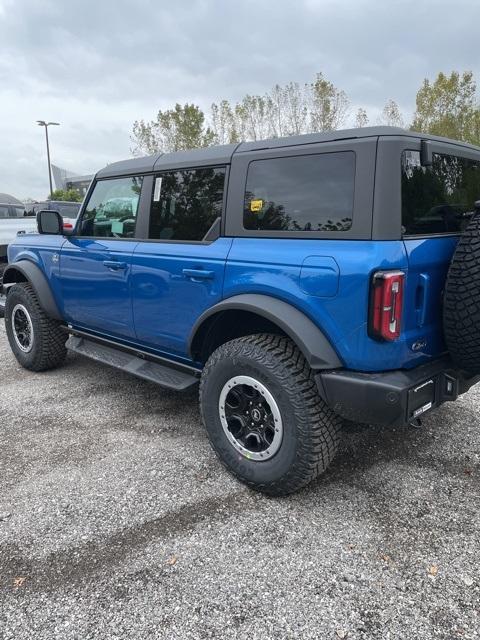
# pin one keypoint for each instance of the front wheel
(264, 416)
(36, 340)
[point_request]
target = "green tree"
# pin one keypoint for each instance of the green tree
(361, 118)
(173, 130)
(448, 107)
(328, 105)
(66, 195)
(224, 125)
(391, 115)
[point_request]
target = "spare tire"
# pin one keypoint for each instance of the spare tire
(461, 305)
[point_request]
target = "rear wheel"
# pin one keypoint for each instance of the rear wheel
(36, 340)
(264, 417)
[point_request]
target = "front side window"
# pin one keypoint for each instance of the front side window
(186, 204)
(4, 211)
(301, 193)
(111, 210)
(439, 198)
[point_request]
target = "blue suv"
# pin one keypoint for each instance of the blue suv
(302, 281)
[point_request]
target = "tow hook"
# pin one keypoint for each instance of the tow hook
(416, 423)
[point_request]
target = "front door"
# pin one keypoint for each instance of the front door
(178, 273)
(96, 263)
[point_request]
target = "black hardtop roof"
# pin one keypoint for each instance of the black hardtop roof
(222, 154)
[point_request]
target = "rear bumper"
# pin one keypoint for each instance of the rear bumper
(394, 397)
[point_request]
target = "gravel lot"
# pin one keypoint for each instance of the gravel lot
(116, 521)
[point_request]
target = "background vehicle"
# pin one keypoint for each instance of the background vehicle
(303, 281)
(12, 220)
(68, 210)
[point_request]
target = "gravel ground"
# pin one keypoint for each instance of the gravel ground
(116, 521)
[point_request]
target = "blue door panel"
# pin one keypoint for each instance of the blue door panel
(95, 276)
(172, 285)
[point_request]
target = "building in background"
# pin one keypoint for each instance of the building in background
(68, 180)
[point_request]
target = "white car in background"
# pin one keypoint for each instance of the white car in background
(13, 219)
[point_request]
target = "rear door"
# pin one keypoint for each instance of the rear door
(96, 263)
(178, 272)
(437, 203)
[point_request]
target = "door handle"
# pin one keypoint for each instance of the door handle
(115, 265)
(200, 274)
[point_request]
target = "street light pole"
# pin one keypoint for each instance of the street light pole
(43, 123)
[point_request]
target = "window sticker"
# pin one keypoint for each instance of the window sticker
(158, 189)
(256, 205)
(117, 226)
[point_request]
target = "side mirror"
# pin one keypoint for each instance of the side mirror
(426, 153)
(50, 221)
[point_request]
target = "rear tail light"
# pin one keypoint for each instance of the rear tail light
(67, 225)
(386, 305)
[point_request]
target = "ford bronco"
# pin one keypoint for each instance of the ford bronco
(301, 281)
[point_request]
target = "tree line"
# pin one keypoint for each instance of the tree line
(448, 106)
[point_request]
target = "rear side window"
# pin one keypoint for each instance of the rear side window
(11, 212)
(186, 204)
(67, 210)
(439, 198)
(111, 210)
(18, 212)
(301, 193)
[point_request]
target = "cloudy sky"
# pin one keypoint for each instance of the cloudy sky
(95, 66)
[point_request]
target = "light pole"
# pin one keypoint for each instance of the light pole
(43, 123)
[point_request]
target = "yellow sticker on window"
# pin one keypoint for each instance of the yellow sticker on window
(256, 205)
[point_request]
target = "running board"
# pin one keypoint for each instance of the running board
(153, 371)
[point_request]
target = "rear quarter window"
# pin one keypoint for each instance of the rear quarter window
(440, 198)
(301, 193)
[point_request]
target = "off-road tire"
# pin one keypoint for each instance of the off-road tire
(461, 306)
(311, 430)
(48, 349)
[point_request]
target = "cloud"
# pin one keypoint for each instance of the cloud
(97, 66)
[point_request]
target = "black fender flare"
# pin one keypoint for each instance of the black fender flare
(311, 341)
(34, 275)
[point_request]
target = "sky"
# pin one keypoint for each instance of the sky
(96, 66)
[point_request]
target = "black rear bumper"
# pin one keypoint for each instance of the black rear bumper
(394, 397)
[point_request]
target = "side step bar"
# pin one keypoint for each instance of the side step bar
(153, 371)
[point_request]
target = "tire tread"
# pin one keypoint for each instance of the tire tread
(318, 435)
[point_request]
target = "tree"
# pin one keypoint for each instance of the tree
(328, 105)
(173, 130)
(361, 119)
(253, 118)
(224, 125)
(66, 195)
(448, 107)
(391, 115)
(286, 110)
